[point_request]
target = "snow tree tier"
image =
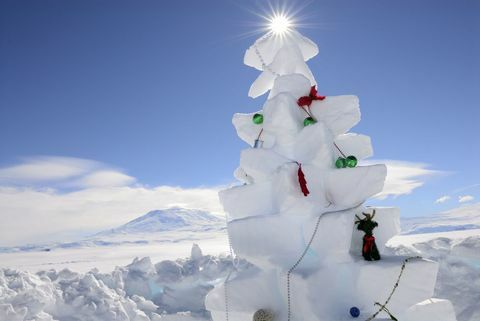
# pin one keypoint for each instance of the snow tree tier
(298, 214)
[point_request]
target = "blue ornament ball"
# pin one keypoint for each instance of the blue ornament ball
(355, 312)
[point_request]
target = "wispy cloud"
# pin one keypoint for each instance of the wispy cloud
(63, 171)
(105, 178)
(442, 199)
(461, 198)
(465, 198)
(42, 169)
(403, 177)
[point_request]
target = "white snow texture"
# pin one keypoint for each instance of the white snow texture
(140, 291)
(271, 222)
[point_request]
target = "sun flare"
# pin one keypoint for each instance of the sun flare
(280, 24)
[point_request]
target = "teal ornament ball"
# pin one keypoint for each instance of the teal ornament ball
(351, 161)
(341, 162)
(309, 121)
(257, 119)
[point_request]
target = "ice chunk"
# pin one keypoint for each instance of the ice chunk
(357, 145)
(314, 146)
(350, 186)
(339, 113)
(288, 195)
(242, 176)
(196, 253)
(361, 284)
(279, 240)
(265, 48)
(284, 120)
(7, 312)
(248, 200)
(248, 131)
(388, 219)
(295, 84)
(288, 61)
(431, 309)
(261, 163)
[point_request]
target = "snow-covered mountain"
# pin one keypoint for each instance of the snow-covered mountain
(175, 218)
(174, 224)
(458, 219)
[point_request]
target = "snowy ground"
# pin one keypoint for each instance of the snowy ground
(458, 254)
(106, 258)
(93, 289)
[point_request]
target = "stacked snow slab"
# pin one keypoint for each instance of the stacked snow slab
(431, 309)
(278, 240)
(388, 219)
(328, 293)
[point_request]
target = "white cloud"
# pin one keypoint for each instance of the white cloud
(63, 172)
(106, 178)
(442, 199)
(465, 198)
(39, 169)
(403, 177)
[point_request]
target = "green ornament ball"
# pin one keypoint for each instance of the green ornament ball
(351, 161)
(341, 162)
(257, 119)
(309, 121)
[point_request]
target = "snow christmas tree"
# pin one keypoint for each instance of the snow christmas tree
(299, 216)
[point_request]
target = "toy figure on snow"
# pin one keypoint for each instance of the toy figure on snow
(369, 248)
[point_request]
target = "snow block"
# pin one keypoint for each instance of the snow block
(261, 163)
(363, 283)
(279, 240)
(248, 200)
(354, 144)
(328, 293)
(339, 113)
(314, 146)
(351, 186)
(268, 46)
(431, 309)
(283, 120)
(388, 219)
(247, 292)
(289, 60)
(248, 131)
(242, 176)
(296, 85)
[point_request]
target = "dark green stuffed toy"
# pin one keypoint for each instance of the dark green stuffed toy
(367, 224)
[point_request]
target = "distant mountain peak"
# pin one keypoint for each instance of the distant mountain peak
(173, 218)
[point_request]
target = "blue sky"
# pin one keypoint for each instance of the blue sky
(149, 87)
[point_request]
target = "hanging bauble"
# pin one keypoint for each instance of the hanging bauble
(341, 162)
(263, 315)
(258, 143)
(351, 161)
(257, 119)
(309, 121)
(354, 312)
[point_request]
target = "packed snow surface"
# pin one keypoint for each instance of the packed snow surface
(462, 218)
(159, 234)
(175, 288)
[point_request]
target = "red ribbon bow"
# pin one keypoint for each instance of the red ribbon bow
(307, 100)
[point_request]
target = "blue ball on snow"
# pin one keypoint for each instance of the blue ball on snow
(354, 312)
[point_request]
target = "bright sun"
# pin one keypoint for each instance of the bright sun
(279, 24)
